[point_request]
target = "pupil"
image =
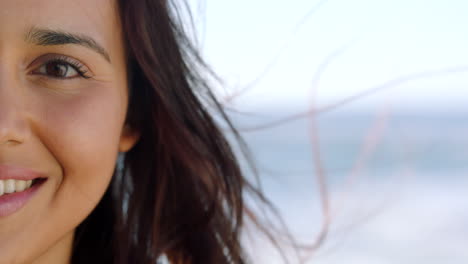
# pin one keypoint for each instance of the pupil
(57, 69)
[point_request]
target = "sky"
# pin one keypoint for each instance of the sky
(277, 48)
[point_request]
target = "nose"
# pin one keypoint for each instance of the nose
(13, 124)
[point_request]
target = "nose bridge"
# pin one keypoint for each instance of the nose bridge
(13, 124)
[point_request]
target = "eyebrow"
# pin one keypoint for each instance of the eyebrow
(48, 37)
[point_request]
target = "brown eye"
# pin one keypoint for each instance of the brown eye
(58, 69)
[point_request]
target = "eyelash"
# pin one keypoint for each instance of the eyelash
(76, 65)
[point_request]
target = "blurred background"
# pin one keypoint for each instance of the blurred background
(356, 112)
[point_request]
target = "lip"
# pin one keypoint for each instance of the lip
(11, 203)
(18, 173)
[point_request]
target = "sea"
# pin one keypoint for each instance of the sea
(388, 187)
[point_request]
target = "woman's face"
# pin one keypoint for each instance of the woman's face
(63, 102)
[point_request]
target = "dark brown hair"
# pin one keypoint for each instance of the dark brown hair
(180, 190)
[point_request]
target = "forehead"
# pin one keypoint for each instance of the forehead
(95, 18)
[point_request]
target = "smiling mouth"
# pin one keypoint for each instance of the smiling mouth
(11, 186)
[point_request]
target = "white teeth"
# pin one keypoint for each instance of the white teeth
(20, 186)
(11, 186)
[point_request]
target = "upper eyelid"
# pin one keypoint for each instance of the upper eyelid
(73, 63)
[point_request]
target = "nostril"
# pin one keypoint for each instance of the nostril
(14, 121)
(13, 130)
(11, 143)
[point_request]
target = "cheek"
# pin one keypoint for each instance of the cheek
(82, 132)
